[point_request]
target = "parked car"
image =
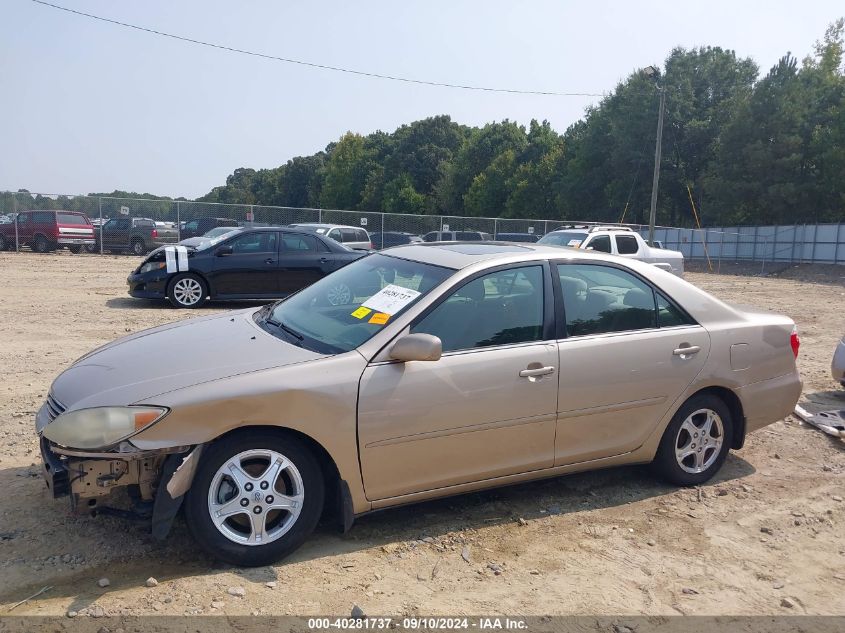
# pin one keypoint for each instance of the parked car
(210, 235)
(262, 263)
(45, 231)
(201, 226)
(134, 235)
(393, 238)
(5, 219)
(351, 236)
(616, 240)
(460, 236)
(517, 237)
(506, 362)
(837, 366)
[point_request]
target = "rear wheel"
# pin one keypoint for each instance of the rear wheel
(187, 291)
(696, 442)
(138, 247)
(5, 244)
(76, 250)
(41, 244)
(255, 498)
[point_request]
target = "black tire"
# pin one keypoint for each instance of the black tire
(197, 505)
(138, 247)
(76, 250)
(175, 296)
(666, 463)
(92, 248)
(41, 244)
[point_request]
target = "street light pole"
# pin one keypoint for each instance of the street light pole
(652, 215)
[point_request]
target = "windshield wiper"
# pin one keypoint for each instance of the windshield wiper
(284, 327)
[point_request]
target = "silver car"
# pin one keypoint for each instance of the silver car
(454, 367)
(352, 236)
(837, 367)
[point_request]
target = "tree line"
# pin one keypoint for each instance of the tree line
(738, 147)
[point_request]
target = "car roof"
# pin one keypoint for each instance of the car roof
(459, 255)
(317, 225)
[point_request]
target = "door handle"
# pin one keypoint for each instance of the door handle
(540, 371)
(687, 350)
(323, 260)
(269, 260)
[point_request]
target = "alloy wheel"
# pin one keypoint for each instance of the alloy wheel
(699, 441)
(187, 291)
(256, 497)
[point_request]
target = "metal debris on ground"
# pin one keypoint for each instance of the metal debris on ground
(830, 422)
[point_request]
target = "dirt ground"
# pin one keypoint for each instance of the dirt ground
(764, 537)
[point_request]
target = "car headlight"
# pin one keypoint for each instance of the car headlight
(151, 266)
(101, 426)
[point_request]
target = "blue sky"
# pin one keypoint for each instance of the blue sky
(88, 106)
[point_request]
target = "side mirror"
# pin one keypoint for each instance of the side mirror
(223, 251)
(417, 347)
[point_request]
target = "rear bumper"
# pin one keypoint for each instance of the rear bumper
(85, 241)
(770, 400)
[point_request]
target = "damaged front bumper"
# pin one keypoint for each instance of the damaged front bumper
(89, 478)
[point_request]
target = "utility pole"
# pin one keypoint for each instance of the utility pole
(652, 215)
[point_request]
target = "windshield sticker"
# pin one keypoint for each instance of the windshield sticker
(379, 318)
(575, 243)
(361, 312)
(391, 299)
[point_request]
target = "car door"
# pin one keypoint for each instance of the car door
(249, 269)
(302, 260)
(485, 409)
(116, 233)
(622, 364)
(24, 226)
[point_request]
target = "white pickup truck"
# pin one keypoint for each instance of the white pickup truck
(616, 240)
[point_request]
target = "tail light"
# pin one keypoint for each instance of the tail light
(372, 248)
(155, 233)
(794, 341)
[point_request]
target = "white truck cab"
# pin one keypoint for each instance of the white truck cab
(616, 240)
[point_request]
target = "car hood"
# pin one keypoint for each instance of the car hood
(150, 363)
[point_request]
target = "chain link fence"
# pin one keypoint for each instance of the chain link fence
(766, 245)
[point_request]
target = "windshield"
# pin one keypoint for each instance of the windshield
(211, 241)
(348, 307)
(564, 238)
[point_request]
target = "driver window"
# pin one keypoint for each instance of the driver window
(502, 308)
(251, 243)
(600, 243)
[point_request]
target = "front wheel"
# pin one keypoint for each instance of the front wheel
(256, 497)
(696, 442)
(187, 291)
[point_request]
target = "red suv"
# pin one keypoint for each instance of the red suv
(46, 231)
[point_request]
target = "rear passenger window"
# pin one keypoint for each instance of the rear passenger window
(361, 235)
(669, 315)
(501, 308)
(43, 217)
(298, 244)
(349, 235)
(600, 243)
(599, 299)
(627, 244)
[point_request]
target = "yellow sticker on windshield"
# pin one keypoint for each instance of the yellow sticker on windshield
(361, 312)
(379, 318)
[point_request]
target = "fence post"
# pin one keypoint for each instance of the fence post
(382, 229)
(319, 216)
(495, 228)
(100, 208)
(178, 222)
(15, 211)
(721, 249)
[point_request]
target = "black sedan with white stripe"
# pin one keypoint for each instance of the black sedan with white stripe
(259, 263)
